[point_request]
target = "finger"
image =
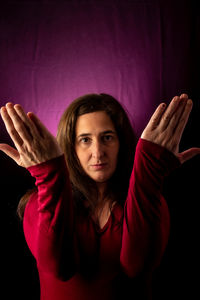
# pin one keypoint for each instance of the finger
(30, 126)
(18, 123)
(11, 152)
(174, 119)
(155, 119)
(183, 120)
(184, 96)
(188, 154)
(172, 107)
(39, 125)
(10, 128)
(177, 116)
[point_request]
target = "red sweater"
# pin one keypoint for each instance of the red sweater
(78, 261)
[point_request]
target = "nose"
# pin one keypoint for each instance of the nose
(98, 150)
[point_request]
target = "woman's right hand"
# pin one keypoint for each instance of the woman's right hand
(34, 143)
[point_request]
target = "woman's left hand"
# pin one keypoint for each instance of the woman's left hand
(167, 124)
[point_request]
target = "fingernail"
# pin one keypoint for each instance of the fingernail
(189, 102)
(3, 108)
(176, 98)
(9, 104)
(184, 96)
(17, 106)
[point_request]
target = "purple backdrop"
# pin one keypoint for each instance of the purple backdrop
(51, 52)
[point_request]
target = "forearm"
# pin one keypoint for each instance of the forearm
(49, 216)
(146, 216)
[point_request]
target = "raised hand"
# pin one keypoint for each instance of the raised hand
(167, 124)
(34, 143)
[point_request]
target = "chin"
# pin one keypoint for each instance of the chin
(101, 179)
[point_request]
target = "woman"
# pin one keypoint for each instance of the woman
(97, 226)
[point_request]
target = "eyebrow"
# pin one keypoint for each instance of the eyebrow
(103, 132)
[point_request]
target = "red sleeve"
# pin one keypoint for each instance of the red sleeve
(146, 222)
(49, 218)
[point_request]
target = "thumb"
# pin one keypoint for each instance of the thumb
(188, 154)
(11, 152)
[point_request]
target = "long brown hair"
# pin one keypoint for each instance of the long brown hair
(83, 186)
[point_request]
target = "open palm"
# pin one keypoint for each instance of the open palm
(167, 124)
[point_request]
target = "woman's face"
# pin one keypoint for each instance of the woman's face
(97, 145)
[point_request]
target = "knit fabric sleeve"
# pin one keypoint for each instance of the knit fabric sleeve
(49, 219)
(146, 224)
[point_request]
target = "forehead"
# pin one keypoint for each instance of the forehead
(94, 122)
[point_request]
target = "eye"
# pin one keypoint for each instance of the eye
(107, 138)
(84, 140)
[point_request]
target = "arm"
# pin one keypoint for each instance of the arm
(146, 217)
(49, 219)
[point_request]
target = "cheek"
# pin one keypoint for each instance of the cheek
(82, 156)
(114, 154)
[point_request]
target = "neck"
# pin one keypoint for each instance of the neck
(102, 186)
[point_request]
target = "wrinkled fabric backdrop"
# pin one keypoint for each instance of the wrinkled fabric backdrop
(142, 53)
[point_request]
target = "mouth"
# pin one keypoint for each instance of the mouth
(99, 166)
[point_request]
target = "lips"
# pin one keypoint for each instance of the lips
(99, 166)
